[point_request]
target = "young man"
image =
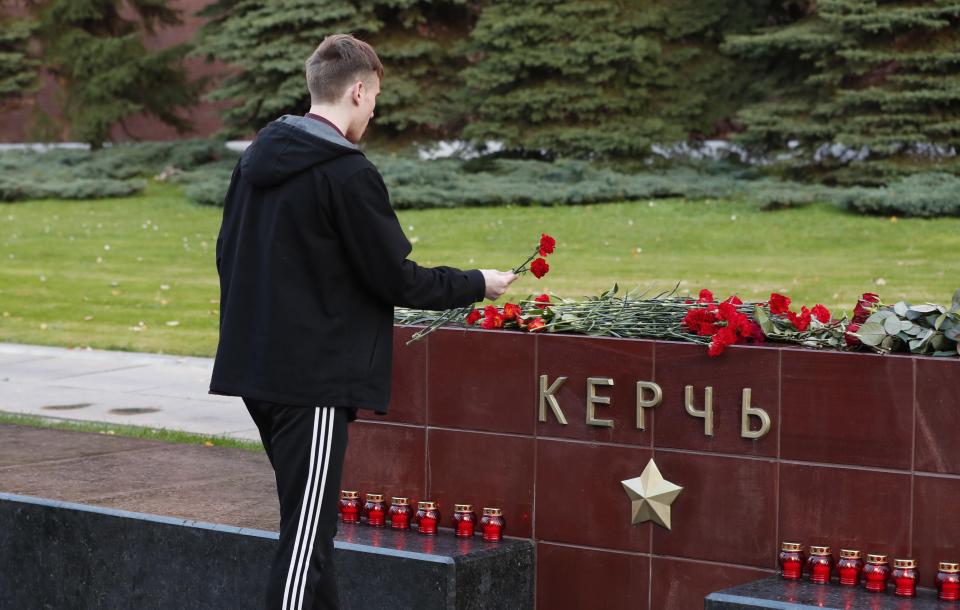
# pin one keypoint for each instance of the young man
(312, 261)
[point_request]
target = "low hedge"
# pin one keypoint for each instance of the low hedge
(116, 171)
(924, 195)
(203, 167)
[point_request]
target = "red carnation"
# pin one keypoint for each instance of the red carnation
(734, 300)
(700, 321)
(511, 312)
(779, 304)
(547, 244)
(724, 337)
(728, 312)
(539, 268)
(536, 324)
(542, 301)
(705, 296)
(801, 322)
(851, 340)
(473, 316)
(821, 313)
(491, 318)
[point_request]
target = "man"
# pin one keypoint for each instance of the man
(312, 261)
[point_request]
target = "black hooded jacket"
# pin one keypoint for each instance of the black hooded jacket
(312, 261)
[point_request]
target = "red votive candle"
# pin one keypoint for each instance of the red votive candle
(850, 567)
(948, 581)
(349, 506)
(427, 518)
(464, 520)
(905, 577)
(492, 524)
(374, 511)
(876, 573)
(791, 560)
(819, 564)
(399, 513)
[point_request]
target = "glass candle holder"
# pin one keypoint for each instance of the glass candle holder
(464, 520)
(850, 567)
(374, 511)
(427, 518)
(492, 524)
(820, 564)
(904, 577)
(791, 560)
(349, 506)
(399, 513)
(876, 573)
(948, 581)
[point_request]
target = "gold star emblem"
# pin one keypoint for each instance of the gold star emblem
(650, 496)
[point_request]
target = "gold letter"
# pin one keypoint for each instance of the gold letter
(643, 403)
(593, 400)
(546, 396)
(745, 414)
(706, 413)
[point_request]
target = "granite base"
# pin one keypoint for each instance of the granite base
(778, 594)
(65, 555)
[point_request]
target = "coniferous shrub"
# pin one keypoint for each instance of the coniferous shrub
(924, 195)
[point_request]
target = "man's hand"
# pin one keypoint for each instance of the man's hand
(497, 282)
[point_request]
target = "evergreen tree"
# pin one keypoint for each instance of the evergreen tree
(877, 76)
(604, 77)
(268, 44)
(96, 51)
(18, 71)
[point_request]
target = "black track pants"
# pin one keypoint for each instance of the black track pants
(306, 447)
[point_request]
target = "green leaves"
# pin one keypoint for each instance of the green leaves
(921, 329)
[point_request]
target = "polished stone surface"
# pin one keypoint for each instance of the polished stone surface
(67, 555)
(775, 593)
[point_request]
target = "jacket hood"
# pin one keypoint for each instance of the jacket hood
(290, 145)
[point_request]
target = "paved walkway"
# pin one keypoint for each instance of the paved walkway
(118, 387)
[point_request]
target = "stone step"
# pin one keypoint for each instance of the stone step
(776, 593)
(58, 554)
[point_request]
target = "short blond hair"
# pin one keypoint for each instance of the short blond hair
(338, 60)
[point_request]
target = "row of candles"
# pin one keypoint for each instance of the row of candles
(874, 575)
(400, 516)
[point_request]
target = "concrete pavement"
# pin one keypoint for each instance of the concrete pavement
(149, 390)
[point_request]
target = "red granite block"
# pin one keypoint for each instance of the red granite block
(482, 380)
(482, 469)
(850, 508)
(726, 511)
(579, 498)
(578, 578)
(936, 528)
(679, 584)
(624, 361)
(682, 364)
(845, 408)
(385, 458)
(938, 406)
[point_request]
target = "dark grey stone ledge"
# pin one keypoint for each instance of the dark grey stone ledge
(776, 593)
(56, 555)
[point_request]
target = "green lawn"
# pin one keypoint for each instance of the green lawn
(89, 273)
